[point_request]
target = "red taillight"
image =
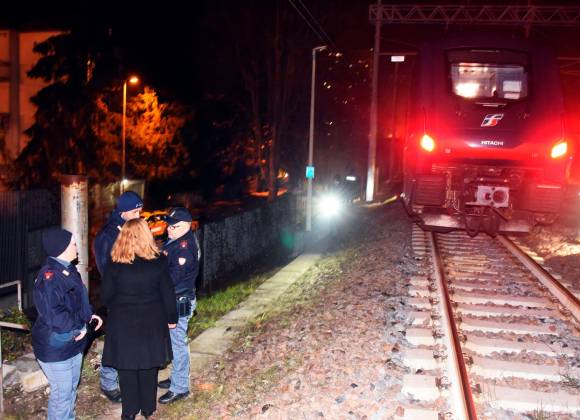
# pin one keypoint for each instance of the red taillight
(427, 143)
(559, 150)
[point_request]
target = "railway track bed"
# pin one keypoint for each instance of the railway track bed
(491, 333)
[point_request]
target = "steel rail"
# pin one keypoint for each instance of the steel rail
(460, 385)
(564, 296)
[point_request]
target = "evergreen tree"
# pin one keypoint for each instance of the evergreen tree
(77, 66)
(77, 127)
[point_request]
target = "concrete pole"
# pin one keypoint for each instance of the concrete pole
(393, 139)
(75, 217)
(311, 137)
(123, 135)
(373, 117)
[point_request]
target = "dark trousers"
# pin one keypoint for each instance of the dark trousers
(138, 391)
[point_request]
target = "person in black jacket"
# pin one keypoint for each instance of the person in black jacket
(129, 206)
(139, 296)
(183, 259)
(58, 334)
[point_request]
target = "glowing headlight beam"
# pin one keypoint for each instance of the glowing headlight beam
(329, 205)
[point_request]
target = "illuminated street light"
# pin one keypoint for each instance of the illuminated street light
(311, 138)
(132, 80)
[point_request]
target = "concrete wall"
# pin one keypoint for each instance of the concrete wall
(230, 244)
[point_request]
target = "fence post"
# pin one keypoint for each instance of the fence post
(75, 218)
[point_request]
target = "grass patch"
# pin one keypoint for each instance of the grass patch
(539, 414)
(211, 308)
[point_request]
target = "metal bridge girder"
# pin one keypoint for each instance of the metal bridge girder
(476, 14)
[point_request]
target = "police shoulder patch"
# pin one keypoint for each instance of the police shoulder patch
(183, 244)
(48, 275)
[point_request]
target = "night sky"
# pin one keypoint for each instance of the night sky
(185, 46)
(185, 49)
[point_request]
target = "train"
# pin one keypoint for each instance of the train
(486, 147)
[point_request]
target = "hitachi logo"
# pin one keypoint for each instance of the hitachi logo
(491, 143)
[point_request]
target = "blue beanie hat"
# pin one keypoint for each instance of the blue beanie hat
(128, 201)
(55, 241)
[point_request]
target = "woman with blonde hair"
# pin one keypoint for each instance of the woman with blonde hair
(140, 299)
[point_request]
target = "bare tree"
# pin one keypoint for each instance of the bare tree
(271, 47)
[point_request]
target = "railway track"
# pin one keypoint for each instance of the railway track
(492, 334)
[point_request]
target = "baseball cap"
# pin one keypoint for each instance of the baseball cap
(178, 214)
(128, 201)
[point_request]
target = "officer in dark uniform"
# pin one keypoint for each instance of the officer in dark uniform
(129, 206)
(183, 259)
(58, 334)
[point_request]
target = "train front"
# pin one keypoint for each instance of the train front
(487, 150)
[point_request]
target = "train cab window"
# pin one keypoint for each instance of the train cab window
(489, 74)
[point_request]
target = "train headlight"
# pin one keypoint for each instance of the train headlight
(559, 150)
(427, 143)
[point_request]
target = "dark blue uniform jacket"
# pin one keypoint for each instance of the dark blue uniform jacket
(182, 256)
(105, 239)
(63, 308)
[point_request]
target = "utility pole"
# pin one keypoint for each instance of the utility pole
(371, 171)
(75, 218)
(393, 139)
(311, 138)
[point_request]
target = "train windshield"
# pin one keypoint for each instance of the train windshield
(489, 74)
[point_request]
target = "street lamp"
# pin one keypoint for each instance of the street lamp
(132, 80)
(311, 138)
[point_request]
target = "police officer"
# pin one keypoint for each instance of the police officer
(129, 206)
(183, 260)
(58, 334)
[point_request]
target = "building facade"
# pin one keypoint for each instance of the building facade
(16, 88)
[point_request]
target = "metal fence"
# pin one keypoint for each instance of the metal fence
(23, 216)
(228, 245)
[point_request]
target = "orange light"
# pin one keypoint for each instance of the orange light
(133, 80)
(559, 150)
(427, 143)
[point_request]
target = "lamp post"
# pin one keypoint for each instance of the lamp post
(311, 137)
(372, 159)
(132, 80)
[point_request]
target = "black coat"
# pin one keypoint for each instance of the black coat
(141, 302)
